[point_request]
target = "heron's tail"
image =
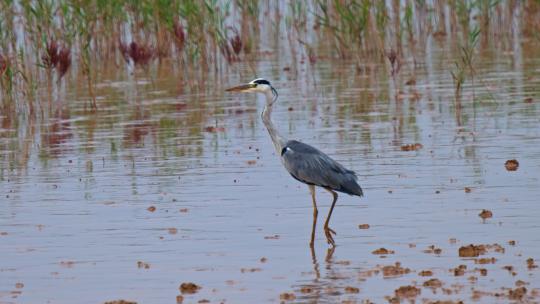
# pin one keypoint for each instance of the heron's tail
(350, 185)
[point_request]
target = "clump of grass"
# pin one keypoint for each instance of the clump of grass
(139, 53)
(56, 57)
(64, 62)
(236, 42)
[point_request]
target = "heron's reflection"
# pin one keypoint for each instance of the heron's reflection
(320, 288)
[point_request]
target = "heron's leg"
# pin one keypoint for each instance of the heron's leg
(315, 213)
(327, 231)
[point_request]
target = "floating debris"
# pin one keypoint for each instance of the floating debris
(530, 264)
(408, 291)
(211, 129)
(172, 230)
(189, 288)
(459, 271)
(483, 271)
(518, 293)
(179, 299)
(287, 296)
(394, 270)
(350, 289)
(120, 302)
(433, 249)
(272, 237)
(468, 190)
(411, 147)
(511, 165)
(425, 273)
(485, 214)
(433, 283)
(244, 270)
(509, 268)
(471, 250)
(306, 289)
(363, 226)
(143, 265)
(151, 208)
(68, 264)
(382, 251)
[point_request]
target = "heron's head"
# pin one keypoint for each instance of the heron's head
(259, 85)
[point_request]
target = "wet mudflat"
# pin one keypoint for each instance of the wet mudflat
(164, 197)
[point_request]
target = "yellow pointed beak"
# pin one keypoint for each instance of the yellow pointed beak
(241, 88)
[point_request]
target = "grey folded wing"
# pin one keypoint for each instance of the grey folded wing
(311, 166)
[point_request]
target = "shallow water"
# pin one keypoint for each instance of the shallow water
(76, 187)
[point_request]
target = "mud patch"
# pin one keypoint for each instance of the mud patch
(189, 288)
(411, 147)
(433, 283)
(382, 251)
(485, 214)
(394, 270)
(511, 165)
(471, 251)
(287, 296)
(407, 292)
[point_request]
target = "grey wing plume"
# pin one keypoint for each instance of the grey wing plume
(311, 166)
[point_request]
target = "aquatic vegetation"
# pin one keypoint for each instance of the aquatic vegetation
(139, 54)
(86, 36)
(465, 61)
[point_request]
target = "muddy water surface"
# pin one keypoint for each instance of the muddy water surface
(160, 188)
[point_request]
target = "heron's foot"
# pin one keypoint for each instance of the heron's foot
(329, 238)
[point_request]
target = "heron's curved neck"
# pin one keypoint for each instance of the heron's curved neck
(277, 139)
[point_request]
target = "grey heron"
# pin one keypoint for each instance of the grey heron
(304, 162)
